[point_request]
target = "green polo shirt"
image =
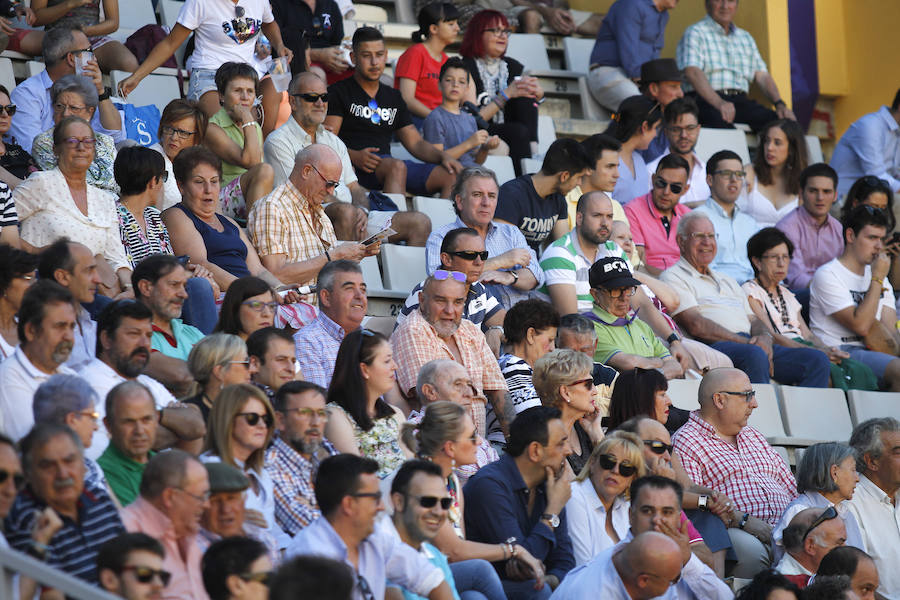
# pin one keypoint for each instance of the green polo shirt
(122, 473)
(635, 338)
(179, 346)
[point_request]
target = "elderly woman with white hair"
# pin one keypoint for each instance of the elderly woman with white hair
(826, 476)
(76, 96)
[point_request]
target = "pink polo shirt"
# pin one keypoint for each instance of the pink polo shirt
(647, 229)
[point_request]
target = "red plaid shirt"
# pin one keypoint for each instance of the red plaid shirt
(753, 475)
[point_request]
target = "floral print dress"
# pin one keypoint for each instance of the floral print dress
(381, 443)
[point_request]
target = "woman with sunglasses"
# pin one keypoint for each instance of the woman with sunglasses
(643, 392)
(563, 379)
(826, 477)
(239, 430)
(773, 182)
(360, 421)
(614, 463)
(216, 361)
(181, 125)
(249, 305)
(446, 436)
(17, 273)
(635, 125)
(15, 163)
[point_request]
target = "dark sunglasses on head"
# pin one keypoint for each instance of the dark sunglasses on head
(239, 12)
(443, 274)
(661, 184)
(312, 98)
(470, 254)
(18, 479)
(608, 463)
(431, 501)
(253, 418)
(146, 574)
(9, 109)
(830, 513)
(657, 447)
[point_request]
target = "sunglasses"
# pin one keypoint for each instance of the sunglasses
(312, 98)
(471, 254)
(239, 12)
(431, 501)
(18, 479)
(588, 383)
(442, 275)
(608, 463)
(9, 109)
(657, 447)
(264, 577)
(253, 419)
(328, 182)
(661, 184)
(146, 574)
(728, 174)
(830, 513)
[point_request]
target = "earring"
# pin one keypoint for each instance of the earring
(453, 463)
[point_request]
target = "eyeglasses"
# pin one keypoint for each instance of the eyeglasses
(749, 395)
(830, 513)
(239, 12)
(264, 577)
(9, 109)
(608, 462)
(616, 292)
(431, 501)
(60, 107)
(661, 184)
(729, 174)
(90, 413)
(678, 131)
(777, 258)
(178, 134)
(499, 32)
(658, 447)
(364, 589)
(253, 418)
(313, 98)
(146, 574)
(588, 383)
(259, 305)
(443, 274)
(79, 50)
(470, 254)
(328, 182)
(202, 498)
(26, 277)
(309, 412)
(374, 495)
(699, 235)
(74, 142)
(17, 478)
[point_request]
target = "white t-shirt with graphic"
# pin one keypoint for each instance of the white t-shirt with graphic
(835, 287)
(220, 35)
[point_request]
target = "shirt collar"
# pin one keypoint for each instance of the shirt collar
(460, 223)
(32, 371)
(714, 206)
(282, 447)
(869, 486)
(330, 327)
(126, 461)
(692, 270)
(153, 521)
(718, 28)
(888, 118)
(45, 80)
(808, 220)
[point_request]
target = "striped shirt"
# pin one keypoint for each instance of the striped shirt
(729, 60)
(74, 547)
(8, 214)
(138, 244)
(564, 263)
(480, 306)
(522, 394)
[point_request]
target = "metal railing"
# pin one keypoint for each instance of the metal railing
(14, 563)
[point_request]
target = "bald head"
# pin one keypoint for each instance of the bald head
(316, 173)
(717, 380)
(809, 549)
(649, 564)
(316, 154)
(302, 82)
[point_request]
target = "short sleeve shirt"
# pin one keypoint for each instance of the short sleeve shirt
(718, 296)
(323, 26)
(635, 338)
(564, 263)
(367, 122)
(444, 127)
(647, 229)
(729, 60)
(417, 64)
(519, 204)
(220, 35)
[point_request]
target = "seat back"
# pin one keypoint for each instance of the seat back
(439, 210)
(530, 50)
(767, 416)
(369, 12)
(546, 133)
(870, 405)
(403, 267)
(815, 413)
(7, 77)
(713, 140)
(153, 89)
(814, 149)
(683, 393)
(578, 53)
(502, 166)
(135, 14)
(371, 273)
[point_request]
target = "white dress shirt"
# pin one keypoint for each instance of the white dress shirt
(85, 347)
(788, 565)
(879, 522)
(587, 521)
(20, 380)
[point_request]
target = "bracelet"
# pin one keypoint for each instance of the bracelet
(879, 280)
(248, 123)
(505, 553)
(744, 520)
(502, 93)
(777, 102)
(327, 256)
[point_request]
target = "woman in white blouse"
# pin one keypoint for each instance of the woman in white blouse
(598, 509)
(60, 203)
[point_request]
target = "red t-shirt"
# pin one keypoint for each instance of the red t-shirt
(416, 64)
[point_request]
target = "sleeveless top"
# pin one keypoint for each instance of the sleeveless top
(225, 249)
(381, 443)
(587, 446)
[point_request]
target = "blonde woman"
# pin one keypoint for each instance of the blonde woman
(563, 379)
(598, 508)
(239, 431)
(216, 361)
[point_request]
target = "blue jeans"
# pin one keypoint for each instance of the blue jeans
(524, 590)
(200, 307)
(477, 580)
(805, 367)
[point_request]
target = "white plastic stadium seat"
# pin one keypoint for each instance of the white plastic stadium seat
(403, 267)
(134, 14)
(7, 78)
(371, 273)
(683, 393)
(529, 49)
(713, 140)
(814, 149)
(531, 165)
(502, 166)
(168, 12)
(439, 210)
(33, 67)
(578, 53)
(546, 133)
(819, 414)
(368, 12)
(153, 89)
(870, 405)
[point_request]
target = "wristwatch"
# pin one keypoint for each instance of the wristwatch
(515, 275)
(552, 519)
(107, 92)
(673, 337)
(703, 502)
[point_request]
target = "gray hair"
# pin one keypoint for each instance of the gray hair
(40, 435)
(684, 224)
(165, 470)
(866, 439)
(577, 324)
(57, 43)
(61, 395)
(467, 174)
(325, 279)
(814, 470)
(126, 389)
(429, 373)
(78, 84)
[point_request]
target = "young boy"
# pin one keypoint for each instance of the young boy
(448, 127)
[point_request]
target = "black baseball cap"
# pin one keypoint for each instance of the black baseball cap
(611, 273)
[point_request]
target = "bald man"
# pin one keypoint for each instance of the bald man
(352, 218)
(721, 452)
(289, 228)
(811, 534)
(643, 568)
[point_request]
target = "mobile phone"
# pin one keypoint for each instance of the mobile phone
(895, 238)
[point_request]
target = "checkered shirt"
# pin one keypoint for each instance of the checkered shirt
(729, 61)
(753, 475)
(415, 343)
(316, 346)
(284, 223)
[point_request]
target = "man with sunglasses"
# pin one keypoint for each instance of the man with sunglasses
(348, 492)
(811, 534)
(174, 493)
(681, 128)
(130, 566)
(237, 568)
(654, 216)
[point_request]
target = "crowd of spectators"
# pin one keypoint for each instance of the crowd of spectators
(196, 405)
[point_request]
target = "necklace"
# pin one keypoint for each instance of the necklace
(780, 305)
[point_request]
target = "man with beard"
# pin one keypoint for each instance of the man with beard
(131, 421)
(123, 351)
(681, 126)
(76, 519)
(523, 495)
(46, 333)
(296, 451)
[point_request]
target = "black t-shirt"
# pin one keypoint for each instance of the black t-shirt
(17, 161)
(519, 204)
(367, 122)
(324, 26)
